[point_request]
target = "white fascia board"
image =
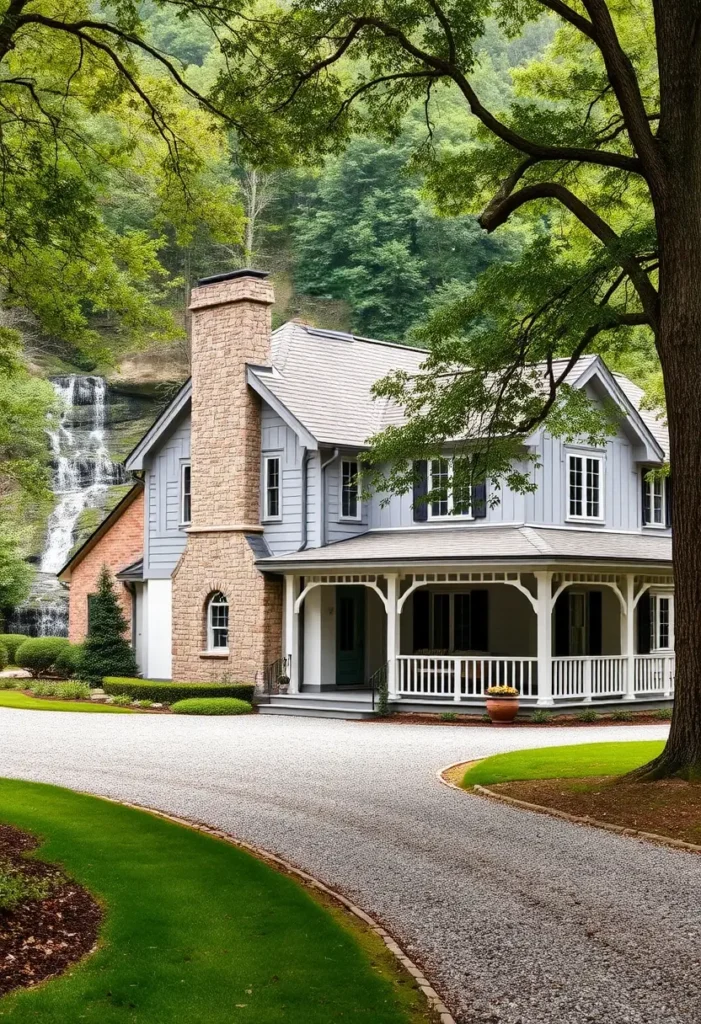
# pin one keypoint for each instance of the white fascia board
(253, 377)
(598, 369)
(135, 459)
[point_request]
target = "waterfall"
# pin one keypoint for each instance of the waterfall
(82, 472)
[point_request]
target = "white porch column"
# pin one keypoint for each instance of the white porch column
(291, 635)
(628, 637)
(545, 638)
(392, 634)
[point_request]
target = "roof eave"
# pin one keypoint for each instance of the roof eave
(135, 459)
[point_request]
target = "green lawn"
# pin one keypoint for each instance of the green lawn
(572, 762)
(15, 699)
(196, 931)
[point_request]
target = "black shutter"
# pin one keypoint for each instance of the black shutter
(668, 502)
(595, 623)
(479, 501)
(420, 491)
(479, 620)
(643, 497)
(644, 623)
(420, 600)
(562, 625)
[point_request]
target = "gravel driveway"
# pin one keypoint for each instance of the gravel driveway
(517, 917)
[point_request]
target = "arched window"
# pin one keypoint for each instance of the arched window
(218, 622)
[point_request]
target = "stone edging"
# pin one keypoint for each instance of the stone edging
(432, 998)
(576, 819)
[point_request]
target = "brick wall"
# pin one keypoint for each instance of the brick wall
(230, 327)
(122, 544)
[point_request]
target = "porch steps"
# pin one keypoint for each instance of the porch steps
(356, 705)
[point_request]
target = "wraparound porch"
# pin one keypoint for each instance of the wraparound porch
(561, 637)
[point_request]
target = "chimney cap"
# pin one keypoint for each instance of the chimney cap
(231, 275)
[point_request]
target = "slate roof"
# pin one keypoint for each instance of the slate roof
(480, 544)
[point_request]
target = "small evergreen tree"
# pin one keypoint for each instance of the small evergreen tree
(106, 651)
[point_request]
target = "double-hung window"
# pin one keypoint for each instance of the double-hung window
(350, 493)
(218, 623)
(271, 487)
(585, 482)
(185, 495)
(655, 501)
(451, 498)
(661, 622)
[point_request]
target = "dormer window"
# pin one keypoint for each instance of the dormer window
(654, 500)
(350, 496)
(585, 476)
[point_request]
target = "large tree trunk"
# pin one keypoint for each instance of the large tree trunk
(678, 209)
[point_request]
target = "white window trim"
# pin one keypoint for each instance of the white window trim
(449, 514)
(650, 484)
(267, 517)
(183, 520)
(359, 514)
(584, 455)
(655, 596)
(211, 649)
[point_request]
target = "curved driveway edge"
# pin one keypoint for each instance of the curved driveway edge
(516, 918)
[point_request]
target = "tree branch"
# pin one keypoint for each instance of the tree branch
(567, 14)
(624, 81)
(499, 211)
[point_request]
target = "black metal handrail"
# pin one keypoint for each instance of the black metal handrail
(273, 673)
(378, 684)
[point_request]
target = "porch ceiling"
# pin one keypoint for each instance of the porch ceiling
(520, 545)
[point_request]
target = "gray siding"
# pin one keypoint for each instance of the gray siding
(399, 513)
(164, 540)
(285, 534)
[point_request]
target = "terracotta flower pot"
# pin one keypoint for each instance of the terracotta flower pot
(502, 709)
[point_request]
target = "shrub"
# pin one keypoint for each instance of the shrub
(4, 656)
(38, 654)
(145, 703)
(71, 690)
(664, 714)
(106, 651)
(17, 888)
(169, 692)
(621, 715)
(10, 684)
(121, 700)
(68, 660)
(541, 717)
(212, 706)
(588, 715)
(11, 642)
(448, 716)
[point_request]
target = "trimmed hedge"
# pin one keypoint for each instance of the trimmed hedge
(212, 706)
(11, 641)
(68, 660)
(39, 654)
(169, 693)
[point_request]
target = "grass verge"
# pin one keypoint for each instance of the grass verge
(14, 699)
(196, 930)
(569, 762)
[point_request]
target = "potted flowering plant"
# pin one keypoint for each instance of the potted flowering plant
(283, 683)
(502, 703)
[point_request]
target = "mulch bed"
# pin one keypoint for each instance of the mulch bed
(41, 938)
(669, 808)
(416, 718)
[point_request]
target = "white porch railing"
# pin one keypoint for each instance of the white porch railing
(573, 679)
(654, 673)
(455, 676)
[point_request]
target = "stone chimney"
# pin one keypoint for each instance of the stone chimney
(230, 328)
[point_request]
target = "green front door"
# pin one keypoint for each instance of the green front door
(350, 636)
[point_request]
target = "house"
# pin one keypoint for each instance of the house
(118, 542)
(258, 545)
